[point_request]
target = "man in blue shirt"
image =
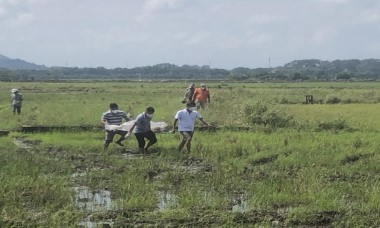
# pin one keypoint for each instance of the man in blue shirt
(142, 130)
(112, 119)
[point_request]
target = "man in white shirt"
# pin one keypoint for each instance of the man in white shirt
(186, 121)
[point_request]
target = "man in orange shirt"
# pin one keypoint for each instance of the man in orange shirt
(201, 96)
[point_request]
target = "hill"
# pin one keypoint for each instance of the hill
(297, 70)
(18, 64)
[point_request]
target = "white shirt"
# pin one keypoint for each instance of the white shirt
(187, 119)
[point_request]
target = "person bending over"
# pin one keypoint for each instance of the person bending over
(142, 130)
(112, 119)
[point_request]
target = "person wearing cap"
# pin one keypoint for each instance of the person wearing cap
(142, 130)
(16, 101)
(201, 96)
(186, 121)
(112, 120)
(189, 93)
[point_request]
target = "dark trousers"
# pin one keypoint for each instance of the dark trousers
(150, 135)
(16, 108)
(111, 134)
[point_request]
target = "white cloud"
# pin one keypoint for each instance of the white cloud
(24, 19)
(333, 1)
(114, 37)
(154, 5)
(152, 8)
(15, 13)
(374, 47)
(259, 38)
(218, 7)
(371, 16)
(152, 31)
(323, 36)
(261, 19)
(198, 38)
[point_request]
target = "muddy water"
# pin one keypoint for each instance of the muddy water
(88, 223)
(240, 206)
(93, 200)
(23, 144)
(90, 200)
(239, 203)
(166, 200)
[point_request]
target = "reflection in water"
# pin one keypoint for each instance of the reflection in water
(23, 144)
(239, 203)
(240, 207)
(166, 200)
(87, 223)
(93, 200)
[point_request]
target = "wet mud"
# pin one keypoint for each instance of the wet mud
(265, 160)
(356, 157)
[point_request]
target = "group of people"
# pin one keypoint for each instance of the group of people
(184, 120)
(201, 95)
(140, 127)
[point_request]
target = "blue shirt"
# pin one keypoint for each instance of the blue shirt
(142, 123)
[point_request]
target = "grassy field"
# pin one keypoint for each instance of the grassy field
(293, 164)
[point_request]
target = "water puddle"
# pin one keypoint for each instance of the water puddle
(193, 165)
(93, 200)
(239, 204)
(130, 154)
(23, 144)
(240, 207)
(88, 223)
(284, 210)
(166, 200)
(75, 175)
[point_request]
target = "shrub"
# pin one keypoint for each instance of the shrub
(335, 125)
(332, 100)
(260, 114)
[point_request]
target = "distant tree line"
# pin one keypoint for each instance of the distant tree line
(313, 70)
(298, 70)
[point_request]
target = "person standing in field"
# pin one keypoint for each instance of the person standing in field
(201, 96)
(112, 120)
(189, 93)
(186, 121)
(16, 101)
(142, 130)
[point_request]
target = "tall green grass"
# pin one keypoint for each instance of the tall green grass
(313, 173)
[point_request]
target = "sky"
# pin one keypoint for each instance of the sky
(221, 33)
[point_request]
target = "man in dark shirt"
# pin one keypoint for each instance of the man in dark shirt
(142, 130)
(16, 101)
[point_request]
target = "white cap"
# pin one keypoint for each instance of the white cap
(14, 90)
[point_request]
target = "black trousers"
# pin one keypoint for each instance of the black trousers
(150, 135)
(111, 134)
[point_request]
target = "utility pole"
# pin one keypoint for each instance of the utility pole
(269, 62)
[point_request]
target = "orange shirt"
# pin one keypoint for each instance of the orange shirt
(201, 94)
